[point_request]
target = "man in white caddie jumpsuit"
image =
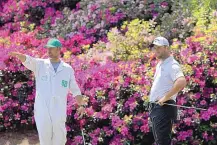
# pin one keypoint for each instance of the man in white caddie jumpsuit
(54, 78)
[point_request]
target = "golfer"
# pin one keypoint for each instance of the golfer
(54, 78)
(168, 81)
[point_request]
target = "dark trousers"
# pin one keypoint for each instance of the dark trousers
(162, 118)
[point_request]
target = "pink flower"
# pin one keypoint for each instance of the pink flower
(82, 122)
(1, 110)
(210, 112)
(211, 137)
(99, 115)
(187, 121)
(154, 14)
(24, 108)
(197, 96)
(31, 97)
(17, 116)
(203, 102)
(94, 7)
(23, 121)
(181, 101)
(196, 142)
(6, 118)
(136, 127)
(90, 111)
(112, 94)
(183, 135)
(107, 108)
(145, 128)
(192, 59)
(117, 140)
(131, 103)
(7, 124)
(108, 131)
(18, 85)
(30, 83)
(205, 116)
(164, 4)
(190, 111)
(68, 128)
(113, 102)
(2, 98)
(78, 6)
(152, 6)
(33, 120)
(124, 130)
(116, 122)
(205, 135)
(78, 139)
(94, 136)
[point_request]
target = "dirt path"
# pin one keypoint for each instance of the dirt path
(19, 138)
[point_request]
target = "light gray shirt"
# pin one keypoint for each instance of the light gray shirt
(167, 72)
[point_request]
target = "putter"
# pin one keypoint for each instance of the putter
(82, 132)
(181, 106)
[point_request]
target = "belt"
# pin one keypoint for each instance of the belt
(151, 105)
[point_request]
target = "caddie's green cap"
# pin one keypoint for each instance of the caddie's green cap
(53, 43)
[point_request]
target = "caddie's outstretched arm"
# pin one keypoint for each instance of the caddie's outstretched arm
(28, 61)
(20, 56)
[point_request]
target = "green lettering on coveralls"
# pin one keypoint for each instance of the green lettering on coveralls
(64, 83)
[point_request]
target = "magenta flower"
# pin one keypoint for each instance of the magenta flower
(203, 102)
(78, 139)
(205, 116)
(24, 108)
(205, 135)
(164, 4)
(90, 111)
(17, 85)
(108, 131)
(23, 121)
(117, 140)
(187, 121)
(107, 108)
(131, 103)
(2, 98)
(17, 116)
(68, 128)
(31, 97)
(145, 128)
(116, 122)
(183, 135)
(1, 110)
(152, 6)
(124, 130)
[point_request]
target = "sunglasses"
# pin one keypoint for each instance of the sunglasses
(155, 47)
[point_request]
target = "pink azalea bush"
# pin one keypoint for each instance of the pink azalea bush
(12, 11)
(110, 89)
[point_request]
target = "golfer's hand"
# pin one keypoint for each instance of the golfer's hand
(161, 101)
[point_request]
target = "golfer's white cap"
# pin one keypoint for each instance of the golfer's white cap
(161, 41)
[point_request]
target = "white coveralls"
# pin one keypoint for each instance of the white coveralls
(51, 98)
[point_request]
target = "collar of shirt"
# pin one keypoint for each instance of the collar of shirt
(166, 60)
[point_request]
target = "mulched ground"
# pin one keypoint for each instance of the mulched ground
(29, 137)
